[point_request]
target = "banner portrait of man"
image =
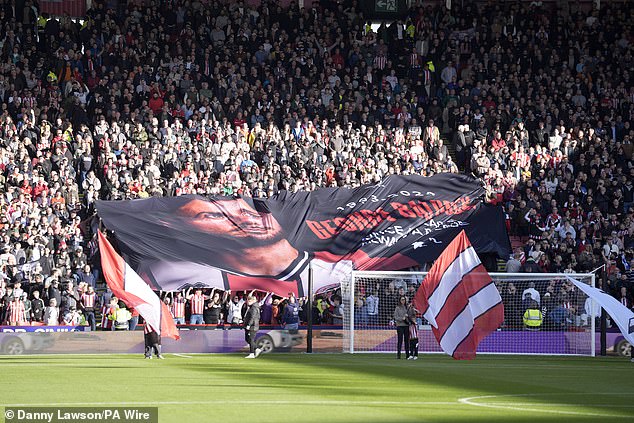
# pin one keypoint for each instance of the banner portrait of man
(244, 243)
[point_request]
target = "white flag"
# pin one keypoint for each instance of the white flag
(621, 315)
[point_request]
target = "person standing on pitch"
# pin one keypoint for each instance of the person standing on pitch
(152, 342)
(413, 339)
(252, 325)
(403, 315)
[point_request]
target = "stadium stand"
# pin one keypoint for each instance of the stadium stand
(163, 98)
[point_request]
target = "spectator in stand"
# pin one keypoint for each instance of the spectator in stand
(532, 293)
(27, 308)
(531, 266)
(512, 299)
(561, 316)
(514, 264)
(234, 310)
(177, 307)
(86, 275)
(337, 312)
(266, 308)
(6, 300)
(212, 312)
(290, 318)
(624, 297)
(51, 315)
(275, 312)
(37, 308)
(197, 305)
(108, 314)
(54, 292)
(69, 299)
(372, 302)
(92, 114)
(88, 302)
(72, 317)
(134, 319)
(16, 314)
(361, 311)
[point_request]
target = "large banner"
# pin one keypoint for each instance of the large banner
(267, 244)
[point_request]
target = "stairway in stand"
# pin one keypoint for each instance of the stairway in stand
(450, 148)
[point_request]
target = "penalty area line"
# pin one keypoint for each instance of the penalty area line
(532, 407)
(182, 355)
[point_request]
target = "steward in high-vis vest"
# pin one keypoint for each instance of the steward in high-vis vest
(533, 319)
(41, 24)
(410, 30)
(122, 317)
(51, 77)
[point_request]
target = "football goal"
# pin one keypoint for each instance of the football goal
(564, 323)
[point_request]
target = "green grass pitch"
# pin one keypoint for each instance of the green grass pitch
(330, 387)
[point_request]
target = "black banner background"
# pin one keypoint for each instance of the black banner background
(397, 223)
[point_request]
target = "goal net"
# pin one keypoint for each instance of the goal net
(564, 325)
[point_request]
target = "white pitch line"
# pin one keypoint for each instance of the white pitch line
(471, 401)
(551, 404)
(182, 355)
(238, 402)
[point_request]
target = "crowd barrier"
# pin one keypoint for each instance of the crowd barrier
(77, 340)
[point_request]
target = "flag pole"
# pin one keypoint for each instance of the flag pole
(604, 315)
(603, 320)
(309, 339)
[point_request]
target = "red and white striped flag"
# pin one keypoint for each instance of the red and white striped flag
(128, 286)
(460, 300)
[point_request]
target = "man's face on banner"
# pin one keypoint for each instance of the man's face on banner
(232, 219)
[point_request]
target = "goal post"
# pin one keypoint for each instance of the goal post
(567, 326)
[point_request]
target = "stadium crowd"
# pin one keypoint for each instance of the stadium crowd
(163, 98)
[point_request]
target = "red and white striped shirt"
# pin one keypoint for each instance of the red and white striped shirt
(88, 300)
(198, 304)
(178, 307)
(380, 62)
(105, 322)
(427, 80)
(413, 332)
(413, 60)
(16, 312)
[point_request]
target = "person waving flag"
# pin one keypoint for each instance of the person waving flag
(128, 286)
(460, 300)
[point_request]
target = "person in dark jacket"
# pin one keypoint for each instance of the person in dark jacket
(54, 292)
(460, 145)
(37, 307)
(290, 318)
(252, 325)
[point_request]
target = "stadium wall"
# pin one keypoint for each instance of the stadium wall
(325, 340)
